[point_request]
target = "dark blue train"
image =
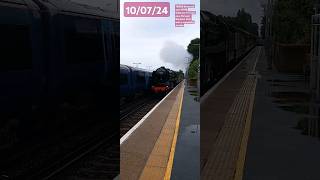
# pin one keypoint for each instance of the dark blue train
(59, 66)
(133, 81)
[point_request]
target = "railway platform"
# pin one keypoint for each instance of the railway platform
(165, 144)
(147, 149)
(186, 163)
(284, 141)
(225, 121)
(258, 123)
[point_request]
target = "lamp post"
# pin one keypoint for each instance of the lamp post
(149, 68)
(137, 64)
(187, 68)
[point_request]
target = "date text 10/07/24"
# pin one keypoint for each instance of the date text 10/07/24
(146, 9)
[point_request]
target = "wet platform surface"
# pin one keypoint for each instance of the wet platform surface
(186, 163)
(284, 140)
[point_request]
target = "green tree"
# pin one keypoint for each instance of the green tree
(193, 69)
(180, 74)
(292, 21)
(243, 20)
(193, 48)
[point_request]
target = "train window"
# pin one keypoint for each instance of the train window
(141, 78)
(15, 46)
(84, 42)
(317, 41)
(123, 79)
(312, 40)
(106, 28)
(115, 41)
(116, 36)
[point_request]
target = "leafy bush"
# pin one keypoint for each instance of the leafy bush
(292, 21)
(193, 69)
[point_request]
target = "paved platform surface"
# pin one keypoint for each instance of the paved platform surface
(225, 121)
(284, 140)
(186, 163)
(146, 153)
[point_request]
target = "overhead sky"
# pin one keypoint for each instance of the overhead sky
(230, 7)
(155, 41)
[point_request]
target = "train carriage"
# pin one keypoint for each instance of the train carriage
(58, 63)
(126, 88)
(222, 47)
(133, 82)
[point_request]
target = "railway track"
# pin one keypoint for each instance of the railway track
(96, 158)
(131, 107)
(133, 113)
(99, 159)
(99, 162)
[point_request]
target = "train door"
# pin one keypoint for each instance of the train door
(125, 83)
(83, 59)
(111, 37)
(140, 81)
(314, 79)
(148, 81)
(111, 30)
(132, 78)
(20, 80)
(75, 69)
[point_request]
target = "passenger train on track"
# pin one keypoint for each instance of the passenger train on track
(59, 63)
(134, 81)
(222, 47)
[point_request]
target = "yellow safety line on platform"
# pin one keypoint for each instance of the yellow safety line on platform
(246, 131)
(174, 142)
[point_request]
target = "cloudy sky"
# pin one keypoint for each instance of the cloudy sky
(230, 7)
(156, 42)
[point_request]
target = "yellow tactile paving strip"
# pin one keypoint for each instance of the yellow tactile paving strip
(136, 150)
(247, 127)
(174, 142)
(160, 161)
(245, 137)
(226, 159)
(222, 161)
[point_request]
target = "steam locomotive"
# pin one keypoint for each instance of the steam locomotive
(164, 79)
